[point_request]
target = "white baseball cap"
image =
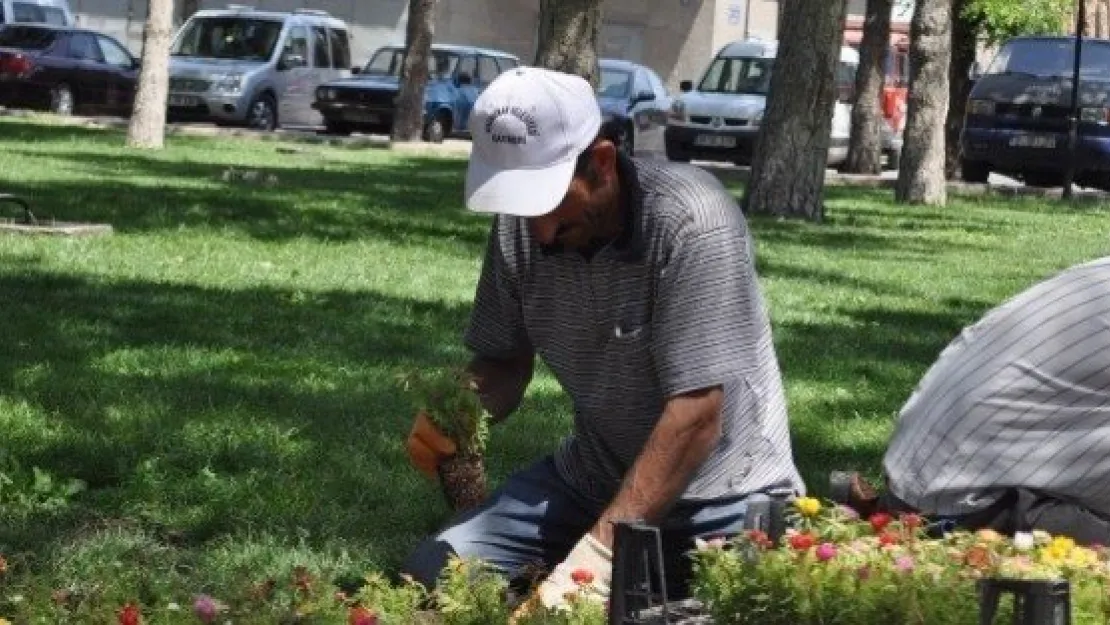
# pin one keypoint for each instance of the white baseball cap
(528, 128)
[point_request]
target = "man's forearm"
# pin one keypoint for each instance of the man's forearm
(501, 383)
(684, 438)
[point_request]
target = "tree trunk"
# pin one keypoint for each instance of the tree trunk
(147, 128)
(865, 147)
(921, 177)
(187, 8)
(568, 37)
(408, 123)
(791, 152)
(965, 34)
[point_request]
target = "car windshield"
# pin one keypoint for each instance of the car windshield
(738, 75)
(26, 38)
(35, 13)
(240, 38)
(614, 83)
(1051, 58)
(390, 62)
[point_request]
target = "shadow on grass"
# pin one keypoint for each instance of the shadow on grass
(213, 411)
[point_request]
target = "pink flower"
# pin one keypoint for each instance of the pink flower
(358, 615)
(849, 513)
(826, 552)
(205, 608)
(904, 564)
(912, 521)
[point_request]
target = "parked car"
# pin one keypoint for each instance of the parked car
(1017, 120)
(720, 119)
(634, 103)
(457, 75)
(54, 12)
(256, 68)
(65, 70)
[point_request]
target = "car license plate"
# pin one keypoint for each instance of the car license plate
(362, 116)
(1033, 141)
(715, 141)
(183, 100)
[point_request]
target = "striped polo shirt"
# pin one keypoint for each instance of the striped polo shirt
(672, 305)
(1019, 399)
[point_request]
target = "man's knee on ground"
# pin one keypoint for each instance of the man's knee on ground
(427, 561)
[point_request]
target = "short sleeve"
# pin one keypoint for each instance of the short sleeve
(709, 316)
(496, 326)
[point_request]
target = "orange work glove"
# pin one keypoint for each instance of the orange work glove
(428, 447)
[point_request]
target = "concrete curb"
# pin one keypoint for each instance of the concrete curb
(308, 136)
(833, 178)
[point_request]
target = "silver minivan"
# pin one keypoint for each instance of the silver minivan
(242, 66)
(54, 12)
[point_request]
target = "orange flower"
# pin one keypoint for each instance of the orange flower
(888, 538)
(978, 557)
(130, 615)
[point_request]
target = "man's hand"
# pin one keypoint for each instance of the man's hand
(588, 565)
(428, 447)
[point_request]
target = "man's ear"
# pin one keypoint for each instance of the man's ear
(605, 159)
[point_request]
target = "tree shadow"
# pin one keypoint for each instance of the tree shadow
(216, 411)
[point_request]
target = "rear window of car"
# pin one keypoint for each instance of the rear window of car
(26, 37)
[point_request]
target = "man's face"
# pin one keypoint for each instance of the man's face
(590, 209)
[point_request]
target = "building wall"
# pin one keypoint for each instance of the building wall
(675, 37)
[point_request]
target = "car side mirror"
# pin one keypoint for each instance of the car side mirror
(686, 86)
(464, 79)
(356, 70)
(290, 61)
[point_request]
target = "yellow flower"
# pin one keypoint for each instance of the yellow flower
(808, 506)
(4, 621)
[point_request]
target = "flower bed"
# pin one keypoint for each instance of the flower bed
(836, 569)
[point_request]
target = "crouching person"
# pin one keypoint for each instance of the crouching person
(634, 281)
(1010, 428)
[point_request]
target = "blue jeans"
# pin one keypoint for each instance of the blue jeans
(536, 518)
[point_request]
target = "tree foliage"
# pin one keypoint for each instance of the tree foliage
(999, 20)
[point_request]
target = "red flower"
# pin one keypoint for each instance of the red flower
(879, 521)
(130, 615)
(801, 542)
(359, 615)
(888, 538)
(582, 576)
(912, 521)
(760, 539)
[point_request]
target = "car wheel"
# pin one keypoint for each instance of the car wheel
(334, 127)
(435, 131)
(61, 100)
(1042, 179)
(262, 114)
(974, 171)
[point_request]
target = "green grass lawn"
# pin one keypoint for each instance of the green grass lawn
(219, 372)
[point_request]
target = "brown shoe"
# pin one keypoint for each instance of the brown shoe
(850, 489)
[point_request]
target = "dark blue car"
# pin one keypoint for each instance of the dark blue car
(1017, 120)
(457, 75)
(634, 105)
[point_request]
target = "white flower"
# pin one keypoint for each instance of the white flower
(1042, 537)
(1024, 541)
